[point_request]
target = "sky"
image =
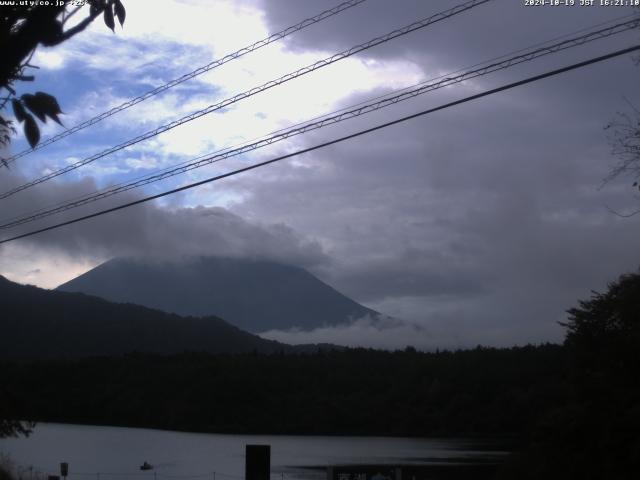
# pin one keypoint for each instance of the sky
(477, 224)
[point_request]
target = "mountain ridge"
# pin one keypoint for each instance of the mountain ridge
(253, 294)
(47, 324)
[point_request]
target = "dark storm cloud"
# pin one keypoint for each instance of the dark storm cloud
(150, 230)
(409, 272)
(477, 34)
(483, 222)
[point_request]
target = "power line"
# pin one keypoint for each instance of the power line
(290, 76)
(74, 202)
(345, 114)
(188, 76)
(167, 172)
(331, 142)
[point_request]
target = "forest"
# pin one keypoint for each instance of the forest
(571, 410)
(356, 392)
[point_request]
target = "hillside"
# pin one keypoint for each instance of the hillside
(255, 295)
(43, 324)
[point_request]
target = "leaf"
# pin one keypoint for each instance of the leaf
(34, 105)
(94, 10)
(121, 13)
(6, 126)
(50, 32)
(42, 105)
(18, 110)
(49, 101)
(49, 105)
(108, 18)
(31, 130)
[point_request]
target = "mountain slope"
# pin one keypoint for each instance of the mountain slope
(255, 295)
(37, 323)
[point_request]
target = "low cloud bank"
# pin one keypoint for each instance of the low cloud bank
(370, 331)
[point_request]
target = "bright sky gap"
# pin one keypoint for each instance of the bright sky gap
(425, 22)
(188, 76)
(332, 142)
(424, 88)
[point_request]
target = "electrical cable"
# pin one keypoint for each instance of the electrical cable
(331, 142)
(255, 90)
(188, 76)
(364, 108)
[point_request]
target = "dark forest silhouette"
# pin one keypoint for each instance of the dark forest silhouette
(573, 408)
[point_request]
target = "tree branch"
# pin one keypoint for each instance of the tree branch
(71, 14)
(622, 215)
(79, 27)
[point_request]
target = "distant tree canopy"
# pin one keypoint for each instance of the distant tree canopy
(604, 331)
(359, 392)
(14, 428)
(595, 433)
(22, 29)
(9, 404)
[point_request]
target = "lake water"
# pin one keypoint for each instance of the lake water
(113, 453)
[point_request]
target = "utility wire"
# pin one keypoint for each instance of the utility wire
(494, 59)
(331, 142)
(113, 189)
(361, 109)
(188, 76)
(290, 76)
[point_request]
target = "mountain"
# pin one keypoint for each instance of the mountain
(255, 295)
(44, 324)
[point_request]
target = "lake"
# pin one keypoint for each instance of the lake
(114, 453)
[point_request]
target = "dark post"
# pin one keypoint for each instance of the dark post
(329, 473)
(257, 462)
(64, 470)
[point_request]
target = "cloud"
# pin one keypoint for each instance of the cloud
(139, 52)
(152, 231)
(438, 333)
(481, 223)
(52, 270)
(460, 40)
(477, 223)
(159, 34)
(369, 332)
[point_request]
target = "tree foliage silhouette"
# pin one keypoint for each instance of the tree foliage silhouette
(595, 432)
(23, 28)
(603, 333)
(625, 145)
